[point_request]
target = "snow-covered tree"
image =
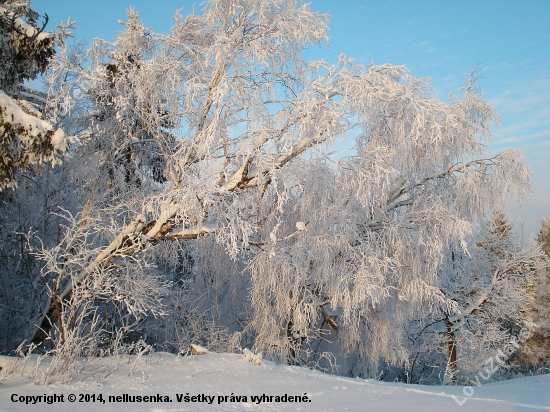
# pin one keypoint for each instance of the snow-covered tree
(26, 137)
(543, 237)
(30, 190)
(215, 136)
(536, 353)
(484, 305)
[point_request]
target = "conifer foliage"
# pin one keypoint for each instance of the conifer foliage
(26, 138)
(536, 353)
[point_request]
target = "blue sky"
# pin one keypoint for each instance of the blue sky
(509, 40)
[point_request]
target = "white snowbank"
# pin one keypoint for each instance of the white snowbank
(218, 377)
(253, 358)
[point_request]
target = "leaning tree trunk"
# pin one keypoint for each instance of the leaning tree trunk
(139, 234)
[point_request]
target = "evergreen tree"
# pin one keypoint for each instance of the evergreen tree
(536, 353)
(26, 138)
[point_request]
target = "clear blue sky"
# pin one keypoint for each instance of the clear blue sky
(508, 39)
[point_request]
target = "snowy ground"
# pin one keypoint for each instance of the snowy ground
(219, 375)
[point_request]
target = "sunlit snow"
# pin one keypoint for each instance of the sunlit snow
(218, 377)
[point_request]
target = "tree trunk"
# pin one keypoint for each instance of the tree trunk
(451, 373)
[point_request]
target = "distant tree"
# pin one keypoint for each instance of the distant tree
(543, 237)
(484, 305)
(536, 353)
